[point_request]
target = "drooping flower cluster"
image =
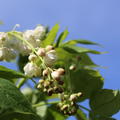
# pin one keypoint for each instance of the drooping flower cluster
(52, 82)
(11, 45)
(38, 61)
(40, 64)
(68, 103)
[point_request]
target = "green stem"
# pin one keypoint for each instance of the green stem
(22, 81)
(33, 81)
(42, 104)
(84, 108)
(22, 39)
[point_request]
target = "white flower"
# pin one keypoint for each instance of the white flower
(13, 42)
(24, 49)
(7, 54)
(41, 52)
(39, 32)
(3, 38)
(32, 69)
(55, 75)
(50, 57)
(32, 57)
(34, 36)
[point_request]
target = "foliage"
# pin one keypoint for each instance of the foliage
(67, 76)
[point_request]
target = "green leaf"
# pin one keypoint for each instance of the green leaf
(62, 37)
(86, 60)
(75, 49)
(64, 56)
(86, 81)
(41, 110)
(105, 118)
(13, 104)
(81, 115)
(10, 74)
(81, 41)
(54, 114)
(18, 116)
(106, 102)
(51, 35)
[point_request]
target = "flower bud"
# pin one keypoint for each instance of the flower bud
(72, 67)
(61, 90)
(79, 94)
(49, 47)
(32, 57)
(60, 104)
(66, 97)
(41, 81)
(73, 103)
(44, 90)
(46, 84)
(39, 86)
(50, 91)
(45, 72)
(73, 97)
(60, 82)
(50, 57)
(64, 107)
(41, 52)
(55, 75)
(56, 89)
(61, 71)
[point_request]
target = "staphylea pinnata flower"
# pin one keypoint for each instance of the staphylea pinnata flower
(50, 57)
(7, 54)
(31, 69)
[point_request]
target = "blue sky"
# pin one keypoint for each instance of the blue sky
(96, 20)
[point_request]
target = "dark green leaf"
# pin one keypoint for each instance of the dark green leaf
(62, 37)
(13, 104)
(86, 60)
(86, 81)
(81, 41)
(66, 57)
(105, 118)
(9, 73)
(106, 102)
(75, 49)
(19, 116)
(51, 35)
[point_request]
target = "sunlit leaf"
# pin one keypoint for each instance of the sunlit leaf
(80, 41)
(51, 35)
(62, 37)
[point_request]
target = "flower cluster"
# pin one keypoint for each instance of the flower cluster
(40, 63)
(10, 45)
(43, 58)
(52, 82)
(68, 103)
